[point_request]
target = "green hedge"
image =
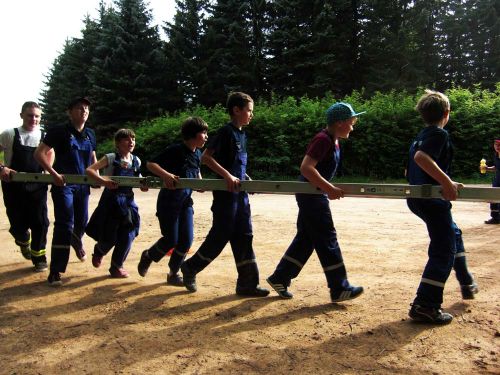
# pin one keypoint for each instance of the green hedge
(377, 148)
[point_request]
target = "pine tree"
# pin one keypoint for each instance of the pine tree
(227, 63)
(68, 77)
(130, 79)
(183, 47)
(484, 21)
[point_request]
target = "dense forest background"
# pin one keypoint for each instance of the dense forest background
(295, 57)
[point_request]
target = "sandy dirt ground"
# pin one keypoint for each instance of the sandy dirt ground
(97, 325)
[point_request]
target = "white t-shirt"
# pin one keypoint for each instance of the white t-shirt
(108, 171)
(28, 138)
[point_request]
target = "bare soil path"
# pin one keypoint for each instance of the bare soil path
(98, 325)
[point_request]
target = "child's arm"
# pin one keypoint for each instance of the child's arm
(168, 178)
(309, 171)
(429, 166)
(233, 183)
(93, 172)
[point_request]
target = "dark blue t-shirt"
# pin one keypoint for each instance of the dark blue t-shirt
(435, 142)
(180, 160)
(227, 143)
(59, 138)
(496, 163)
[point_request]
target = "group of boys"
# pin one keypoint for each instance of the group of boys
(72, 146)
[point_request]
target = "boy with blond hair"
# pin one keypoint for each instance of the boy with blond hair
(430, 158)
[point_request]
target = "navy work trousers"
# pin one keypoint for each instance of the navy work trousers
(446, 250)
(71, 215)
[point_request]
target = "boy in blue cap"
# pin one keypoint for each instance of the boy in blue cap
(315, 228)
(174, 207)
(430, 159)
(74, 145)
(226, 155)
(26, 202)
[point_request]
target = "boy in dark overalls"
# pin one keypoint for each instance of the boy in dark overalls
(25, 202)
(495, 168)
(430, 159)
(174, 207)
(74, 145)
(315, 228)
(115, 221)
(226, 155)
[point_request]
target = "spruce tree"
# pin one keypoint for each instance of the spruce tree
(183, 47)
(130, 79)
(68, 76)
(226, 59)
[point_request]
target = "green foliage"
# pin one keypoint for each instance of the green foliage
(377, 148)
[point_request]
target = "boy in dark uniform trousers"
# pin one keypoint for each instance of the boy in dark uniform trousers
(26, 203)
(174, 207)
(430, 159)
(74, 145)
(495, 168)
(226, 155)
(115, 221)
(315, 228)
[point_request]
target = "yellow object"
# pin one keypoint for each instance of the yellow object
(482, 166)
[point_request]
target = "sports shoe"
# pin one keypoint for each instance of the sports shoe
(96, 260)
(25, 251)
(174, 279)
(54, 279)
(41, 266)
(81, 255)
(257, 291)
(492, 221)
(346, 293)
(144, 263)
(188, 279)
(429, 315)
(118, 273)
(468, 291)
(280, 288)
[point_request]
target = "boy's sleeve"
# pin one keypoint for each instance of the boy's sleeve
(318, 148)
(433, 144)
(163, 158)
(215, 142)
(5, 140)
(93, 140)
(52, 137)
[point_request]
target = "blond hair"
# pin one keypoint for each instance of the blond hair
(433, 106)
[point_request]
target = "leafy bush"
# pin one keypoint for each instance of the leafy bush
(376, 149)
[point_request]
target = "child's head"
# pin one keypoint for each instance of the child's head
(496, 145)
(340, 118)
(237, 99)
(192, 126)
(433, 106)
(240, 107)
(125, 140)
(31, 114)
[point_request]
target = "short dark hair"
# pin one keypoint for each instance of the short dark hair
(27, 105)
(192, 126)
(237, 99)
(432, 106)
(124, 133)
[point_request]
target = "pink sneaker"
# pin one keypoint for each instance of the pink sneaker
(118, 273)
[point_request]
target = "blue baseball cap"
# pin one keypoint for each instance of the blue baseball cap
(340, 111)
